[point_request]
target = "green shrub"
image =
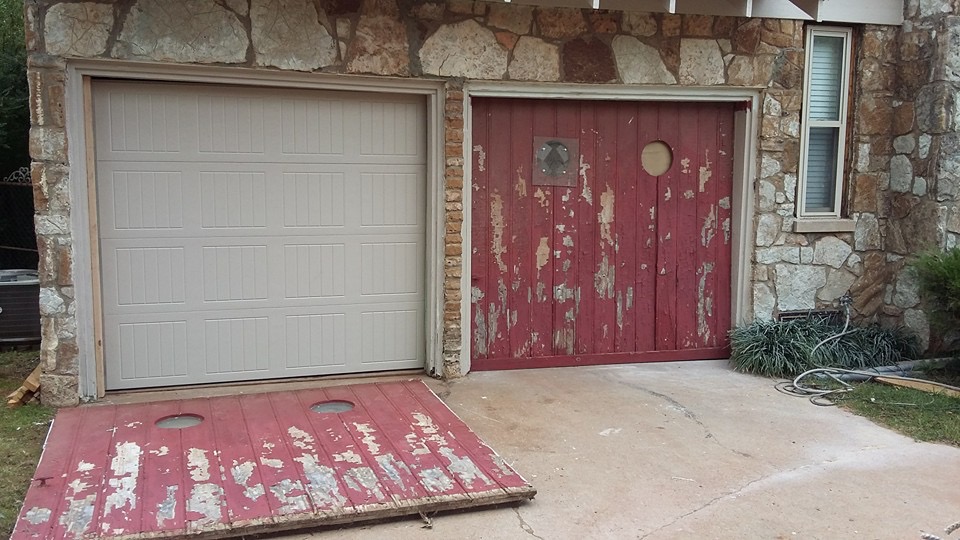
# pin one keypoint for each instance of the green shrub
(939, 277)
(786, 349)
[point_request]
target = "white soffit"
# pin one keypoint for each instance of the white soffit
(837, 11)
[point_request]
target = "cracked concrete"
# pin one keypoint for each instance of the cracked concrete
(685, 450)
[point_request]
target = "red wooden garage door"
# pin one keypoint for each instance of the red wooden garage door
(579, 255)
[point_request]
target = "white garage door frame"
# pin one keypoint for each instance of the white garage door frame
(86, 273)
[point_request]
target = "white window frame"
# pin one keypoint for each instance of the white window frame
(840, 123)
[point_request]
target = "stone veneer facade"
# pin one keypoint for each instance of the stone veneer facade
(903, 158)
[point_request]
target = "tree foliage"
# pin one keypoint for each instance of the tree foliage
(939, 276)
(14, 94)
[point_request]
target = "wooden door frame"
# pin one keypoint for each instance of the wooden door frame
(83, 196)
(745, 133)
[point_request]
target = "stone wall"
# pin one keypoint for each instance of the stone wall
(920, 209)
(460, 40)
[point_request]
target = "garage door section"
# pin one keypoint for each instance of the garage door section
(601, 232)
(249, 234)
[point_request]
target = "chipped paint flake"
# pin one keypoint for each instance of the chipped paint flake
(704, 304)
(349, 457)
(465, 469)
(77, 517)
(585, 191)
(481, 157)
(543, 254)
(476, 294)
(562, 293)
(541, 197)
(604, 279)
(688, 194)
(501, 465)
(392, 467)
(497, 224)
(724, 203)
(705, 171)
(605, 216)
(480, 334)
(290, 495)
(198, 464)
(321, 482)
(521, 186)
(709, 228)
(363, 480)
(207, 500)
(685, 165)
(620, 310)
(241, 473)
(563, 339)
(369, 439)
(435, 480)
(272, 463)
(36, 515)
(125, 466)
(167, 508)
(160, 452)
(726, 231)
(301, 439)
(83, 466)
(568, 241)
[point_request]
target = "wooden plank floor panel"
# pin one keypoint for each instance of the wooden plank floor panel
(259, 463)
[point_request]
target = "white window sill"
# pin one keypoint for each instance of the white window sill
(823, 225)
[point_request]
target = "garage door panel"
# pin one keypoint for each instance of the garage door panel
(390, 129)
(266, 240)
(315, 340)
(236, 345)
(622, 266)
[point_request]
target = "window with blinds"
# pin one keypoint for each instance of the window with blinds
(824, 122)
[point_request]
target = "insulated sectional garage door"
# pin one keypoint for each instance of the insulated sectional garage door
(249, 234)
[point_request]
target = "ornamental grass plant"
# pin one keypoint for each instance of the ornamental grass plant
(786, 348)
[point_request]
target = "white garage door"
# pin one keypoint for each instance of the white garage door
(249, 234)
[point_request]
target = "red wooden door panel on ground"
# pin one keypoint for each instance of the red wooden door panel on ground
(623, 266)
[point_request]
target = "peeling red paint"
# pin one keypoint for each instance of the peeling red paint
(611, 268)
(259, 463)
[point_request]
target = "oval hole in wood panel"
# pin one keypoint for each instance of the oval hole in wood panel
(335, 406)
(656, 158)
(179, 421)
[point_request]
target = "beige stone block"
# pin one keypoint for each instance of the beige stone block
(701, 62)
(288, 34)
(81, 29)
(638, 63)
(534, 60)
(464, 49)
(198, 31)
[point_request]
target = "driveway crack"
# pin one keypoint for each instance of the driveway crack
(526, 526)
(687, 413)
(705, 505)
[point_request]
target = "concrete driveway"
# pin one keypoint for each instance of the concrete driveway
(686, 450)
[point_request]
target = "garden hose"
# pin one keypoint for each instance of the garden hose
(819, 396)
(845, 301)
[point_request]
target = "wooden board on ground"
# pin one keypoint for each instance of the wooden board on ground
(926, 386)
(260, 463)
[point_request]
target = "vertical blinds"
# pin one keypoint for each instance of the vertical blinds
(826, 74)
(821, 171)
(825, 119)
